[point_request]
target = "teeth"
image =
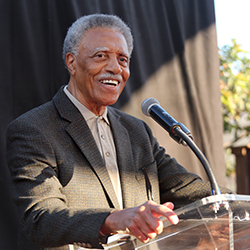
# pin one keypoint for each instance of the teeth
(110, 82)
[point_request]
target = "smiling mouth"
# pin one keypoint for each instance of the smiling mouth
(110, 82)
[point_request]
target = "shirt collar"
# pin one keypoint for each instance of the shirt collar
(86, 113)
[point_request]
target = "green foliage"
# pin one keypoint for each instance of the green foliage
(235, 87)
(230, 162)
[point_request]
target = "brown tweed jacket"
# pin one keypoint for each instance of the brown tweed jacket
(61, 186)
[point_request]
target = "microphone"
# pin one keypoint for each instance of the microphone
(151, 107)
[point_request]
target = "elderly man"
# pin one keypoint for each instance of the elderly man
(81, 169)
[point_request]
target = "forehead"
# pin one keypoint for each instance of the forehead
(97, 39)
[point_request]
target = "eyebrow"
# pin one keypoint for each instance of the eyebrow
(107, 49)
(101, 49)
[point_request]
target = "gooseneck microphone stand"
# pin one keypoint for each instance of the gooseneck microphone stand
(214, 185)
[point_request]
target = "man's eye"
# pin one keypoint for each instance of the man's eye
(100, 55)
(123, 60)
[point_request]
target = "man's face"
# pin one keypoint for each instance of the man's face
(101, 69)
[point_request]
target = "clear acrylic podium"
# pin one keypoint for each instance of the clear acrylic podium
(216, 222)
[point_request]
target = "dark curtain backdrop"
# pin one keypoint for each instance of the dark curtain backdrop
(175, 60)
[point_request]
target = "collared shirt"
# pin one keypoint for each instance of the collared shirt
(101, 131)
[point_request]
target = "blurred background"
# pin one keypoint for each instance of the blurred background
(232, 21)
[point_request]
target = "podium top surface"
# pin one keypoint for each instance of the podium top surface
(215, 222)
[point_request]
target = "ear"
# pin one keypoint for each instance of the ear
(70, 62)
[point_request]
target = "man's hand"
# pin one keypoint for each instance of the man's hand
(143, 221)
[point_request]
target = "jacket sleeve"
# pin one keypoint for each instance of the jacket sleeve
(46, 217)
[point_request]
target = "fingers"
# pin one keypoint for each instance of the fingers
(166, 210)
(146, 223)
(170, 205)
(138, 233)
(173, 218)
(142, 221)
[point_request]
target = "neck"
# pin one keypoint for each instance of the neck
(96, 109)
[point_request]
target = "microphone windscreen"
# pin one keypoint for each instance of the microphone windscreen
(146, 105)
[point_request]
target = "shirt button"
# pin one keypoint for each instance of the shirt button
(103, 137)
(107, 154)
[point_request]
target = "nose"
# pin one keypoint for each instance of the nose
(113, 65)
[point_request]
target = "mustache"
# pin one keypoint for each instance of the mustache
(111, 76)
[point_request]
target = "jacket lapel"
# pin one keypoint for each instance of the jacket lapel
(124, 159)
(81, 134)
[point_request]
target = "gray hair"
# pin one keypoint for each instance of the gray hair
(79, 28)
